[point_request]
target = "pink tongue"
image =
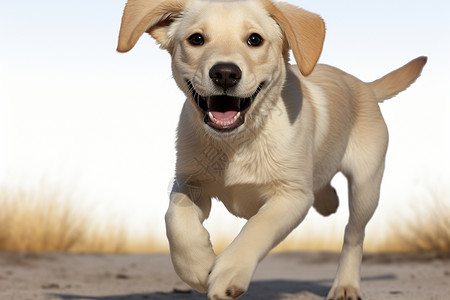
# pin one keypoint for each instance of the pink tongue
(224, 116)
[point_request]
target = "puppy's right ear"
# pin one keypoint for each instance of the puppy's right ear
(152, 16)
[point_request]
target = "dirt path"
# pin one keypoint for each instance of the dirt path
(303, 276)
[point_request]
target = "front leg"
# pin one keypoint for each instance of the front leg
(234, 268)
(190, 247)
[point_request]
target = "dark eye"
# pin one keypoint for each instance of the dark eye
(196, 39)
(255, 40)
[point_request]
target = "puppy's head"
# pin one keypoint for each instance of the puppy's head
(227, 55)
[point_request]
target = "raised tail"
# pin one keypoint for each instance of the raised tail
(393, 83)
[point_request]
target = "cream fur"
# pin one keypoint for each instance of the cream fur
(307, 123)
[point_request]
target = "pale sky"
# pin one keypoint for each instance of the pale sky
(77, 115)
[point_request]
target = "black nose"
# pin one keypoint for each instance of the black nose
(225, 75)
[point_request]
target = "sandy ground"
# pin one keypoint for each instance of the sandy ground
(305, 276)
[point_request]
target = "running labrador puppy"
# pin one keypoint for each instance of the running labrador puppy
(263, 136)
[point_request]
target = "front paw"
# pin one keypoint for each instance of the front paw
(194, 269)
(230, 277)
(344, 293)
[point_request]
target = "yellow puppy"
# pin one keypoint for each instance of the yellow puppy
(263, 136)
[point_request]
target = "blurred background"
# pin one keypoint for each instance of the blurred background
(87, 134)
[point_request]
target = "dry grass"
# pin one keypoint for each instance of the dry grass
(427, 231)
(46, 220)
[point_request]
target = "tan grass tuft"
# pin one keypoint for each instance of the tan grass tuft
(427, 231)
(46, 220)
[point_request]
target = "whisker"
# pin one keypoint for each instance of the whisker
(200, 100)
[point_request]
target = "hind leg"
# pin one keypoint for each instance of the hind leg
(363, 167)
(363, 200)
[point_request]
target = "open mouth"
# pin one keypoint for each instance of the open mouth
(222, 112)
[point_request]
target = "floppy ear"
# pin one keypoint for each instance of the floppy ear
(152, 16)
(304, 31)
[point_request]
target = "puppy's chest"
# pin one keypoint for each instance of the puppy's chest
(236, 164)
(255, 164)
(236, 176)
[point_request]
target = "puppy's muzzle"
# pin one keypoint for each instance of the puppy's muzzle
(225, 75)
(223, 112)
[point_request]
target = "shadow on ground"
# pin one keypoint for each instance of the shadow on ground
(261, 290)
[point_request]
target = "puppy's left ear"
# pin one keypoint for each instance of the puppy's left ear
(304, 31)
(152, 16)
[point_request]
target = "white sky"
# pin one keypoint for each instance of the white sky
(77, 115)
